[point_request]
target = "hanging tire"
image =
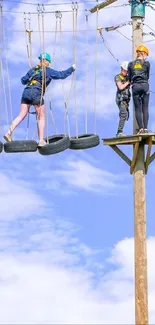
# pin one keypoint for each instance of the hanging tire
(20, 146)
(1, 146)
(57, 143)
(84, 141)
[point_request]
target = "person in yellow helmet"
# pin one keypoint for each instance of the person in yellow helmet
(138, 74)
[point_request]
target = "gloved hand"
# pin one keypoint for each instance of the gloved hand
(74, 66)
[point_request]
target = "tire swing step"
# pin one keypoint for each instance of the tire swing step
(1, 146)
(84, 141)
(55, 144)
(20, 146)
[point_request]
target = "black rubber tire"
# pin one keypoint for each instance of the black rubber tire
(1, 146)
(84, 141)
(57, 143)
(20, 146)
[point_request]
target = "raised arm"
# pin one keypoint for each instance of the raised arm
(120, 85)
(54, 74)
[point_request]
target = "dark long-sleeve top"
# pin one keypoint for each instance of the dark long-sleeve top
(36, 74)
(139, 71)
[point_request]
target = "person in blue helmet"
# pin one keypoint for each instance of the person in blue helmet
(36, 81)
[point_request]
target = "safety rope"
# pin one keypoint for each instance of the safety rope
(41, 10)
(2, 71)
(66, 101)
(53, 62)
(4, 91)
(87, 55)
(7, 65)
(28, 38)
(107, 47)
(75, 15)
(96, 59)
(55, 36)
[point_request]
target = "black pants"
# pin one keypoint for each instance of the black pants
(140, 93)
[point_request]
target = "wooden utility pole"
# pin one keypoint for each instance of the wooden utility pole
(140, 247)
(138, 167)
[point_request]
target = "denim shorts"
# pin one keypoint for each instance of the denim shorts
(32, 96)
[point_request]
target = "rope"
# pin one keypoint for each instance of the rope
(62, 3)
(29, 40)
(75, 13)
(54, 55)
(52, 117)
(4, 90)
(96, 58)
(29, 53)
(107, 47)
(55, 38)
(42, 47)
(129, 39)
(43, 90)
(39, 29)
(2, 70)
(7, 66)
(87, 54)
(66, 102)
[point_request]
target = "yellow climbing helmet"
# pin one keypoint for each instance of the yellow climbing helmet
(142, 48)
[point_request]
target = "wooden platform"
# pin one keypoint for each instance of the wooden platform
(129, 139)
(135, 140)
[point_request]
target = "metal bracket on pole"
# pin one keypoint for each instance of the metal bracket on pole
(137, 8)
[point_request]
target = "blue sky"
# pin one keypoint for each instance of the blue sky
(66, 248)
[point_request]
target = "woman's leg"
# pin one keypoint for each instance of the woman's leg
(145, 105)
(40, 110)
(136, 93)
(24, 108)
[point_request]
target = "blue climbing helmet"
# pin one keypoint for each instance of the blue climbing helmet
(45, 56)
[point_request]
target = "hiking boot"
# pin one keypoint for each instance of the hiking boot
(42, 143)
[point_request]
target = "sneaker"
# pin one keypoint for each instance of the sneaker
(141, 131)
(148, 131)
(42, 143)
(7, 137)
(120, 134)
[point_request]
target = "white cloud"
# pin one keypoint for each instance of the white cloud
(18, 199)
(83, 175)
(41, 291)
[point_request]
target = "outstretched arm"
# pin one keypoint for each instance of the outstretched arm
(54, 74)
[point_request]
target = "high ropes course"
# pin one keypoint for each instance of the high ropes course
(57, 142)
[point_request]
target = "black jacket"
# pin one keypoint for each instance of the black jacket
(139, 71)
